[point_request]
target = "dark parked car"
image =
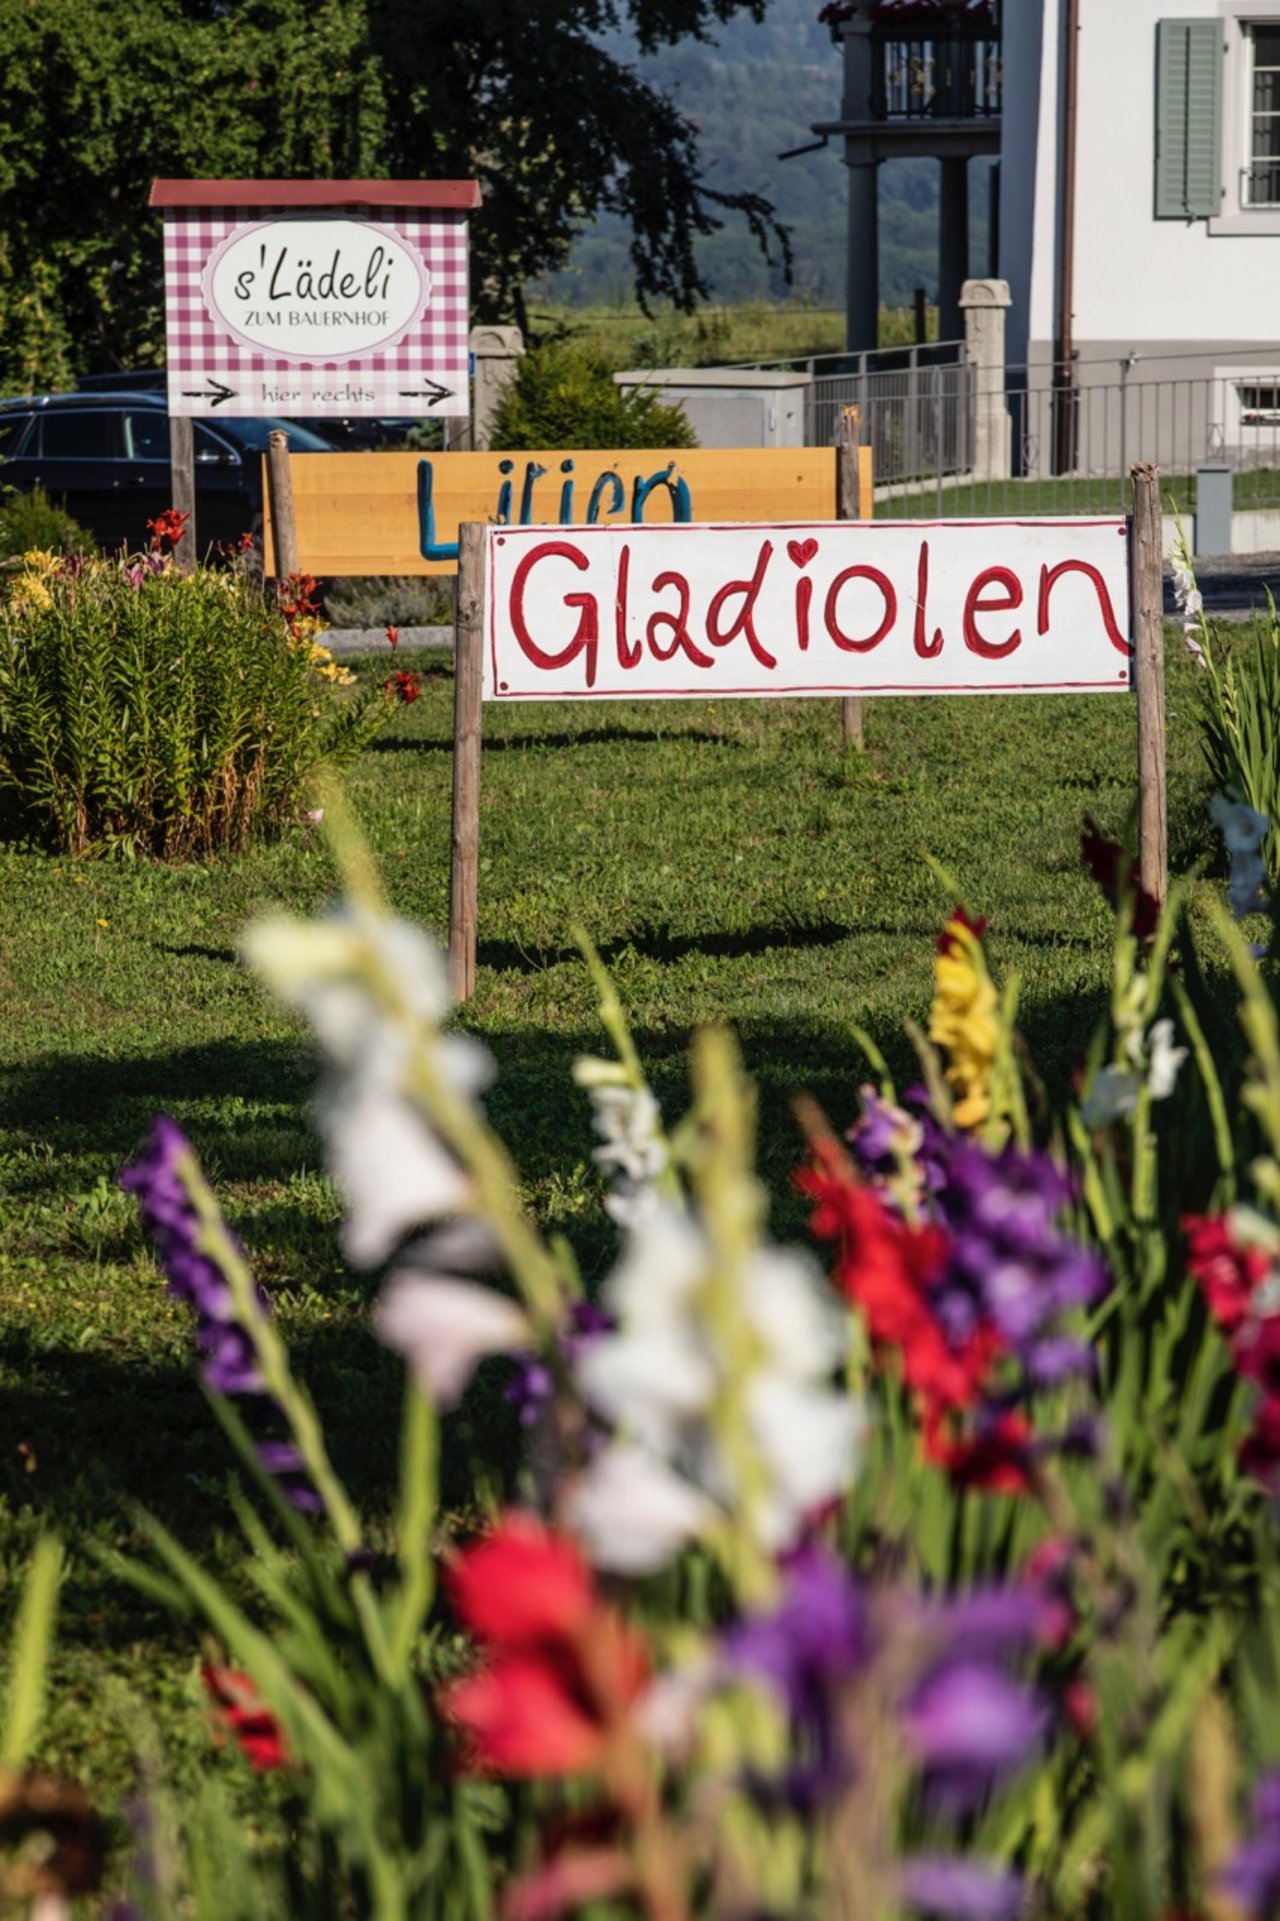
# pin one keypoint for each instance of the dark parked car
(105, 456)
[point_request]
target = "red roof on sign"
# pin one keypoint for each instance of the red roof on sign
(454, 195)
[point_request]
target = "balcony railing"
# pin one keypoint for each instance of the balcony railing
(946, 65)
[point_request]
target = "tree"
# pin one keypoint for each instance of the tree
(100, 96)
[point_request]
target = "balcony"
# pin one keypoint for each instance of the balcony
(921, 76)
(949, 70)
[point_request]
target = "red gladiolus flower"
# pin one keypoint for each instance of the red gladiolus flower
(1105, 861)
(886, 1268)
(562, 1670)
(253, 1727)
(1227, 1274)
(521, 1585)
(167, 528)
(962, 917)
(1230, 1274)
(393, 636)
(993, 1459)
(406, 687)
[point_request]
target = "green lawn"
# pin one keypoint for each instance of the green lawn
(731, 862)
(1258, 488)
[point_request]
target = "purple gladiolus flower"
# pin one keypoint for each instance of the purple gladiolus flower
(968, 1723)
(1252, 1876)
(996, 1623)
(955, 1890)
(817, 1636)
(532, 1385)
(228, 1360)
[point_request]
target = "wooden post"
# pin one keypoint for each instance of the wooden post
(465, 843)
(182, 488)
(1148, 678)
(284, 532)
(850, 506)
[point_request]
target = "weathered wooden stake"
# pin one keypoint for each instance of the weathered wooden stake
(182, 488)
(467, 662)
(850, 506)
(284, 531)
(1148, 678)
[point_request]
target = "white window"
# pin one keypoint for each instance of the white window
(1262, 166)
(1250, 132)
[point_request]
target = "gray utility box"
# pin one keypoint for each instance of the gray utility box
(1214, 480)
(731, 406)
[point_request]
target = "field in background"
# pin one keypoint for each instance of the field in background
(715, 336)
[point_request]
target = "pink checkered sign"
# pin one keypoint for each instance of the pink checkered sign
(307, 308)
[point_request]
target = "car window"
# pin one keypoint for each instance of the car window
(80, 436)
(13, 431)
(252, 435)
(146, 435)
(209, 446)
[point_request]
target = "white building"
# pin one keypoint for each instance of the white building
(1138, 146)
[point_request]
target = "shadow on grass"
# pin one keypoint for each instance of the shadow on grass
(586, 737)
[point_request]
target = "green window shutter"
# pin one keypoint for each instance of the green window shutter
(1188, 119)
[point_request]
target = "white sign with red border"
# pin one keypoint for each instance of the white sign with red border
(912, 607)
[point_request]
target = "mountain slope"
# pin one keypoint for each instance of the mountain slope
(752, 94)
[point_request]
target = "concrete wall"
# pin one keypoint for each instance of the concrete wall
(730, 406)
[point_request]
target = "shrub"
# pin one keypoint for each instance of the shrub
(33, 521)
(147, 711)
(1239, 702)
(390, 600)
(564, 396)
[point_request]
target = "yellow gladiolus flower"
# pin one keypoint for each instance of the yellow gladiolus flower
(963, 1018)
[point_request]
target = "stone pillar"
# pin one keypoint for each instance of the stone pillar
(984, 303)
(494, 354)
(953, 243)
(862, 266)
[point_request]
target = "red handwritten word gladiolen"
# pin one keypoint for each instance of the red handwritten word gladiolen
(966, 607)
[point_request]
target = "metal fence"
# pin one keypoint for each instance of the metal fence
(951, 439)
(944, 447)
(917, 417)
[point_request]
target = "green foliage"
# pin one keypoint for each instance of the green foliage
(1240, 716)
(31, 523)
(102, 96)
(147, 711)
(413, 600)
(564, 396)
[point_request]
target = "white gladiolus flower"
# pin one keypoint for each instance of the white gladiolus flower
(1113, 1096)
(1243, 832)
(809, 1439)
(790, 1308)
(444, 1327)
(1166, 1059)
(1242, 828)
(633, 1513)
(391, 1171)
(629, 1123)
(651, 1383)
(373, 989)
(659, 1272)
(1189, 599)
(686, 1346)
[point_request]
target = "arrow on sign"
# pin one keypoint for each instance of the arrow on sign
(431, 393)
(215, 393)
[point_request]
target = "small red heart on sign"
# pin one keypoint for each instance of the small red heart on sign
(802, 551)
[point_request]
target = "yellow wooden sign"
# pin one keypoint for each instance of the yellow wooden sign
(400, 513)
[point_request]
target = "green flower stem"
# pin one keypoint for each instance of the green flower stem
(731, 1208)
(217, 1243)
